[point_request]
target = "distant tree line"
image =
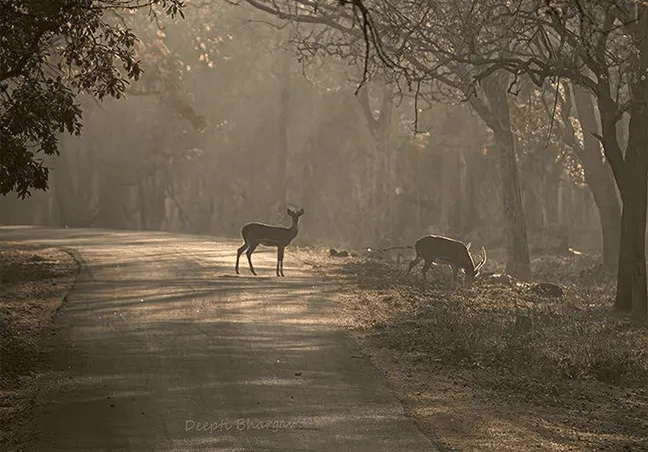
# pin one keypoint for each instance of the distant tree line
(533, 120)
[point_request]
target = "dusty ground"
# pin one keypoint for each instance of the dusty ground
(33, 281)
(495, 368)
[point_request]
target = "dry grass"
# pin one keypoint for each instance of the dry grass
(496, 367)
(33, 281)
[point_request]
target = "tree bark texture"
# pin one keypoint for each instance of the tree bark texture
(599, 179)
(631, 174)
(631, 293)
(498, 119)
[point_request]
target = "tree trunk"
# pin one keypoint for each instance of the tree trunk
(631, 285)
(599, 179)
(560, 217)
(631, 293)
(550, 194)
(446, 192)
(473, 173)
(64, 187)
(379, 171)
(534, 204)
(454, 198)
(143, 205)
(631, 175)
(518, 263)
(462, 192)
(109, 214)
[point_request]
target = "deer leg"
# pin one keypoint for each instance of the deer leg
(280, 256)
(238, 255)
(455, 270)
(425, 269)
(413, 263)
(249, 252)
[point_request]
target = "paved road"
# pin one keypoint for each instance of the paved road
(162, 347)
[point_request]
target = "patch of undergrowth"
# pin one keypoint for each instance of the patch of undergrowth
(33, 281)
(503, 328)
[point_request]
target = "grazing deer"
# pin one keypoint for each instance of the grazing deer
(255, 234)
(434, 248)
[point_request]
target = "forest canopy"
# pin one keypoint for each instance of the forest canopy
(50, 53)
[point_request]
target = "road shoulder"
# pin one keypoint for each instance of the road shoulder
(469, 382)
(34, 282)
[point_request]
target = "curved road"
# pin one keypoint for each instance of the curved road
(160, 346)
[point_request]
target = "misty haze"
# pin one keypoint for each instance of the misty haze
(323, 225)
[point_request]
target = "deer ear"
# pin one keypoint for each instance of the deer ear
(290, 212)
(301, 212)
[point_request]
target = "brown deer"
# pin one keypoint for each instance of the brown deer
(255, 234)
(444, 250)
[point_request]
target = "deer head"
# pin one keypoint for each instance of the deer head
(471, 275)
(295, 214)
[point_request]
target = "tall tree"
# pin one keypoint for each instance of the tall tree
(603, 48)
(599, 178)
(50, 53)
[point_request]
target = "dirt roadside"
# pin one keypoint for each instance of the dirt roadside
(34, 281)
(495, 369)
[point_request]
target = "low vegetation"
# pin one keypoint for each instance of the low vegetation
(34, 281)
(498, 367)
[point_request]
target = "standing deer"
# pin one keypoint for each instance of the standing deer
(434, 248)
(255, 234)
